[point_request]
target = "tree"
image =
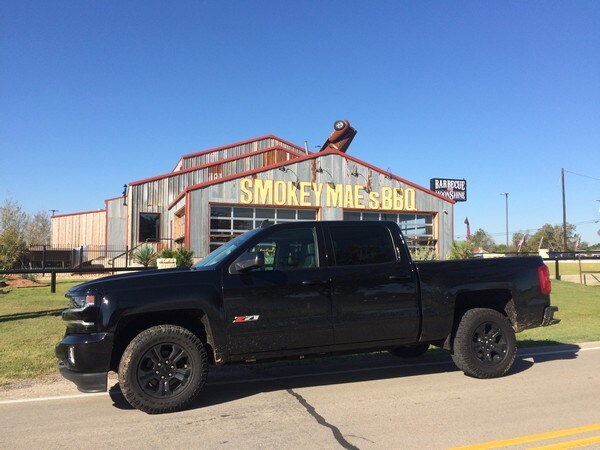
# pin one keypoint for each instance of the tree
(483, 240)
(13, 222)
(38, 229)
(551, 237)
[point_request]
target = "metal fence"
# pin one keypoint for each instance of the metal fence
(76, 257)
(72, 271)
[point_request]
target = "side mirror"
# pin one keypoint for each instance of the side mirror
(250, 260)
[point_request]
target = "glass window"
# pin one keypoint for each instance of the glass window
(220, 224)
(289, 249)
(149, 227)
(362, 244)
(416, 228)
(243, 212)
(351, 215)
(244, 225)
(220, 211)
(371, 216)
(307, 214)
(222, 252)
(265, 213)
(286, 214)
(227, 222)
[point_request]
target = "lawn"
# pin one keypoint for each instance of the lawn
(579, 311)
(30, 326)
(572, 267)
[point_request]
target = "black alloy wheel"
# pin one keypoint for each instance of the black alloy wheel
(485, 345)
(490, 344)
(163, 369)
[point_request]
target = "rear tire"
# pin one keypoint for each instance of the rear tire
(485, 345)
(163, 369)
(410, 351)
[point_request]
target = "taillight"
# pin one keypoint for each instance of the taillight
(544, 277)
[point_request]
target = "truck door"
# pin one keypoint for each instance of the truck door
(374, 289)
(285, 304)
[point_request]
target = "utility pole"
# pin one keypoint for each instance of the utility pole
(565, 249)
(506, 196)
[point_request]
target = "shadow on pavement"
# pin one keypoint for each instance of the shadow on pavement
(230, 383)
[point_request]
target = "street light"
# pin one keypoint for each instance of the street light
(506, 196)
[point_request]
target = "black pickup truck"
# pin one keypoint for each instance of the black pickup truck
(293, 290)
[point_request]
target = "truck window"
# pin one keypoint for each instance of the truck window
(362, 244)
(289, 249)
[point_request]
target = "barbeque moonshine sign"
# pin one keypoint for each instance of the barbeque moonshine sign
(453, 189)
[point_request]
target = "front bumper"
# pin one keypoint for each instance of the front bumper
(549, 316)
(85, 382)
(85, 360)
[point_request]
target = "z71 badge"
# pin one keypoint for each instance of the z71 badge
(241, 319)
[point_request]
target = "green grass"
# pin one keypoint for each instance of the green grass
(579, 311)
(30, 328)
(572, 267)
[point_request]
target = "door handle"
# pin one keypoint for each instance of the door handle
(315, 282)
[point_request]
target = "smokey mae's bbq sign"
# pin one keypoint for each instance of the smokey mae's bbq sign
(304, 193)
(453, 189)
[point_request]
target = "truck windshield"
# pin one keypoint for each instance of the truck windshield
(224, 250)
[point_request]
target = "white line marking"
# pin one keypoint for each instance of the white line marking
(288, 377)
(47, 399)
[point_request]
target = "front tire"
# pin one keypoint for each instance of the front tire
(163, 369)
(485, 345)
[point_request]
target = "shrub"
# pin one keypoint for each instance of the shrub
(166, 253)
(423, 254)
(184, 257)
(461, 250)
(145, 255)
(29, 276)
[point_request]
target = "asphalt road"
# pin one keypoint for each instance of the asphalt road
(551, 396)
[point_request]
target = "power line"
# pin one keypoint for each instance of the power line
(581, 175)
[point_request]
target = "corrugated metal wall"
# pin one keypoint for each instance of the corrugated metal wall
(116, 222)
(237, 150)
(156, 195)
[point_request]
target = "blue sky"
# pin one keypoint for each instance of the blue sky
(95, 94)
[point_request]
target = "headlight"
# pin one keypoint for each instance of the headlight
(83, 311)
(82, 300)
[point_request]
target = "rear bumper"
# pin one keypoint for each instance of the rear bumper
(85, 360)
(549, 316)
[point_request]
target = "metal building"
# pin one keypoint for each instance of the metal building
(214, 195)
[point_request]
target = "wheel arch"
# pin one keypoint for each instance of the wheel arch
(498, 299)
(130, 326)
